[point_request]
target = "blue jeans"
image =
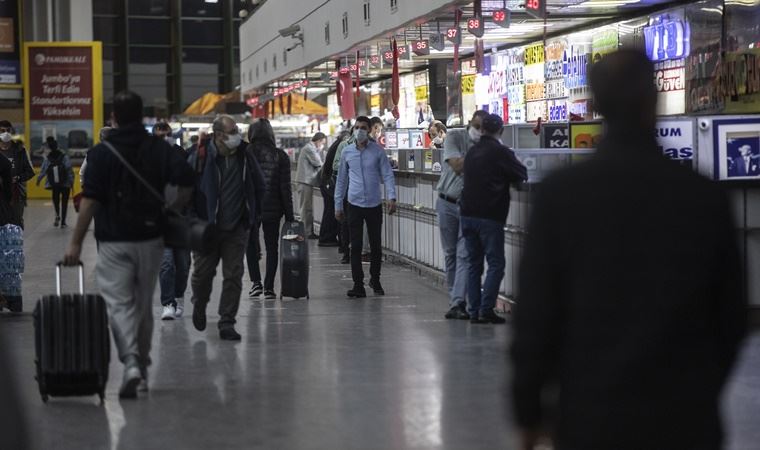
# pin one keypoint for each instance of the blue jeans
(483, 238)
(454, 250)
(175, 268)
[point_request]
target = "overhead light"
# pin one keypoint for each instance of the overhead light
(603, 3)
(211, 1)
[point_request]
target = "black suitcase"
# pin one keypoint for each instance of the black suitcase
(72, 344)
(294, 262)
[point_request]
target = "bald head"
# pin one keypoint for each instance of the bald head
(224, 124)
(623, 87)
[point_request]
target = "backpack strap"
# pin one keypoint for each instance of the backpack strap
(134, 172)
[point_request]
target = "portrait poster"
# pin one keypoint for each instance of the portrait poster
(736, 147)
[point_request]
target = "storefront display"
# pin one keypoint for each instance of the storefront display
(736, 147)
(535, 106)
(516, 86)
(704, 61)
(554, 81)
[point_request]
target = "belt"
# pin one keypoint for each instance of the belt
(447, 198)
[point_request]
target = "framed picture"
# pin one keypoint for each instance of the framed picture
(736, 147)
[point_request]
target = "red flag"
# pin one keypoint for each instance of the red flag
(347, 110)
(395, 91)
(357, 75)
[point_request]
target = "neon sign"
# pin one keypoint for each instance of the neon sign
(667, 38)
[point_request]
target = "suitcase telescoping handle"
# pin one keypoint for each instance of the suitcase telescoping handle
(58, 278)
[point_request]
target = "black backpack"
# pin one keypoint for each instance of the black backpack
(56, 172)
(134, 210)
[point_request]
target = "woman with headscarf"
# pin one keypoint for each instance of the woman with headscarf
(57, 170)
(277, 202)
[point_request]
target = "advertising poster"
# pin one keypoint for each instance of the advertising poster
(667, 43)
(704, 61)
(736, 147)
(63, 96)
(535, 105)
(554, 84)
(515, 86)
(585, 135)
(10, 49)
(575, 64)
(676, 140)
(741, 76)
(556, 136)
(604, 42)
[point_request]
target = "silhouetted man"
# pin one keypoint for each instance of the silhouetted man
(630, 289)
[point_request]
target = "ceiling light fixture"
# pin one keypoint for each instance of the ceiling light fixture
(603, 3)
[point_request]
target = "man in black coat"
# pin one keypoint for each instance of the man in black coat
(630, 296)
(22, 169)
(329, 228)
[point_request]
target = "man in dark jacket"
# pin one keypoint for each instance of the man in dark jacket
(329, 229)
(630, 289)
(489, 170)
(232, 188)
(22, 170)
(277, 202)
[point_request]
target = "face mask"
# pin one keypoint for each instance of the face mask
(233, 141)
(361, 135)
(474, 134)
(437, 140)
(5, 137)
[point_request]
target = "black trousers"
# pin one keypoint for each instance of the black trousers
(328, 228)
(373, 217)
(253, 253)
(61, 202)
(345, 232)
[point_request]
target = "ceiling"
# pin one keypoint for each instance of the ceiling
(563, 17)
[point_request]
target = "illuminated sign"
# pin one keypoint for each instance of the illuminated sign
(557, 110)
(502, 17)
(421, 48)
(437, 41)
(475, 26)
(454, 35)
(534, 54)
(574, 67)
(667, 38)
(536, 8)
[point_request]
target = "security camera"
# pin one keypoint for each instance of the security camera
(290, 31)
(704, 124)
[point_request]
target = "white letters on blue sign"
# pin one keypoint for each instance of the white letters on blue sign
(667, 38)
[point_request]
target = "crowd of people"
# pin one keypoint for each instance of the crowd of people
(611, 310)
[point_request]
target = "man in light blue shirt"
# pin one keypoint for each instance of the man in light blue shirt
(363, 167)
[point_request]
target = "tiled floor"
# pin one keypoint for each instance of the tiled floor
(328, 373)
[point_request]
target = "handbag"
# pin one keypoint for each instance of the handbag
(179, 231)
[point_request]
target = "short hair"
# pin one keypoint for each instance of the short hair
(493, 124)
(6, 124)
(127, 108)
(480, 113)
(376, 121)
(104, 133)
(161, 126)
(218, 124)
(364, 119)
(194, 138)
(318, 136)
(629, 68)
(438, 125)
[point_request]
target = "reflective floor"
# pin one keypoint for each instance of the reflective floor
(328, 373)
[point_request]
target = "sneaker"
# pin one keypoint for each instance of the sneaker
(180, 308)
(490, 317)
(313, 236)
(376, 287)
(269, 294)
(143, 386)
(199, 317)
(63, 225)
(168, 313)
(229, 334)
(256, 290)
(130, 381)
(457, 312)
(57, 221)
(357, 292)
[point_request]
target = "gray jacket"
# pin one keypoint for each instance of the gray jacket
(309, 163)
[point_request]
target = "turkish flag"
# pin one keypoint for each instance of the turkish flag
(347, 110)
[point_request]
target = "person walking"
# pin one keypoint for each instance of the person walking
(307, 177)
(633, 327)
(128, 229)
(59, 178)
(231, 191)
(489, 170)
(363, 168)
(345, 239)
(175, 265)
(449, 189)
(22, 170)
(277, 201)
(329, 228)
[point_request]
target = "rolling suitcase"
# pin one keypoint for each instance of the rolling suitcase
(72, 344)
(294, 261)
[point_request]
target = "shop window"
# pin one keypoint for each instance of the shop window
(149, 31)
(202, 32)
(345, 25)
(394, 6)
(366, 13)
(285, 58)
(148, 8)
(327, 33)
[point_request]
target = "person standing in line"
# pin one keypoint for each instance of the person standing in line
(232, 188)
(363, 168)
(128, 229)
(329, 229)
(449, 188)
(59, 178)
(307, 177)
(489, 170)
(22, 170)
(634, 329)
(277, 202)
(175, 265)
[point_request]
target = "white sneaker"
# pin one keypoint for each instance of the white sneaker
(168, 313)
(180, 307)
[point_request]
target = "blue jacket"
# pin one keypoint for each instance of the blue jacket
(207, 189)
(68, 174)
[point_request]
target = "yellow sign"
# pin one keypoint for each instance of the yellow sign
(585, 135)
(374, 101)
(534, 54)
(468, 84)
(420, 93)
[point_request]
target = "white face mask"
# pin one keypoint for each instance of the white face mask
(361, 135)
(5, 137)
(474, 134)
(233, 141)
